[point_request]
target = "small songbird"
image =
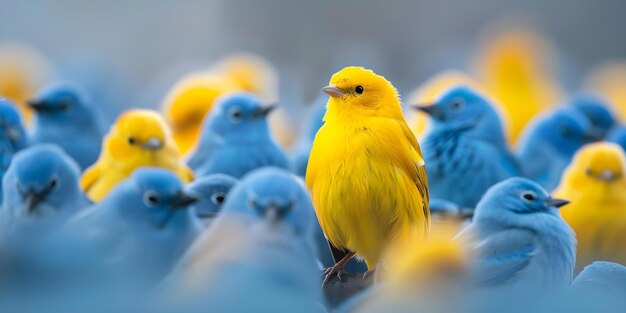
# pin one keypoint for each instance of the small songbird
(236, 139)
(12, 135)
(520, 238)
(66, 116)
(41, 192)
(212, 192)
(596, 185)
(259, 249)
(138, 138)
(549, 143)
(366, 173)
(144, 221)
(465, 149)
(597, 112)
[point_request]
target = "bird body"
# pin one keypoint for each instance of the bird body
(366, 173)
(12, 135)
(139, 138)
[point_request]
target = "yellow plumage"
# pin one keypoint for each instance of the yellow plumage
(138, 138)
(366, 172)
(596, 186)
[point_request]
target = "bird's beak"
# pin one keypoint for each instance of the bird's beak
(183, 200)
(36, 105)
(265, 110)
(608, 176)
(153, 144)
(431, 109)
(333, 91)
(31, 201)
(557, 203)
(271, 214)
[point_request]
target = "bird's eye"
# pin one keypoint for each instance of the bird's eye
(235, 115)
(54, 182)
(528, 196)
(457, 103)
(218, 198)
(358, 89)
(150, 198)
(132, 140)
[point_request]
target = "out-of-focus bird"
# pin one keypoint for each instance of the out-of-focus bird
(138, 138)
(189, 101)
(259, 249)
(12, 135)
(596, 110)
(212, 192)
(236, 139)
(465, 151)
(520, 238)
(602, 277)
(66, 116)
(618, 135)
(366, 172)
(41, 192)
(516, 68)
(145, 221)
(23, 70)
(302, 149)
(596, 185)
(549, 143)
(607, 80)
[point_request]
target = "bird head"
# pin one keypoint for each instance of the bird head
(567, 131)
(240, 116)
(153, 199)
(212, 192)
(11, 126)
(138, 133)
(63, 103)
(42, 181)
(356, 91)
(596, 110)
(519, 201)
(275, 198)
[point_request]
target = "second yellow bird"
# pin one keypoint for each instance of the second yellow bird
(366, 173)
(138, 138)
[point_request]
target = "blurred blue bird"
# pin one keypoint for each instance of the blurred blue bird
(212, 192)
(12, 135)
(145, 221)
(597, 112)
(258, 256)
(41, 192)
(618, 135)
(302, 149)
(602, 277)
(66, 116)
(465, 151)
(520, 238)
(549, 143)
(236, 139)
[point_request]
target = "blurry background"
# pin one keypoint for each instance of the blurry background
(132, 51)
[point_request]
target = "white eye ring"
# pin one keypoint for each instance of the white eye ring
(235, 114)
(528, 196)
(150, 198)
(218, 198)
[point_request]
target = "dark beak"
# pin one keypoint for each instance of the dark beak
(36, 105)
(557, 203)
(265, 110)
(31, 200)
(183, 200)
(271, 214)
(333, 91)
(433, 110)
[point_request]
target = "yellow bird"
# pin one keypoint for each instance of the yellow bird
(366, 173)
(596, 186)
(138, 138)
(515, 67)
(608, 80)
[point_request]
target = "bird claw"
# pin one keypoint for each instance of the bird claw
(337, 270)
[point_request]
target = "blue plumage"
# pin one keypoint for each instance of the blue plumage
(212, 192)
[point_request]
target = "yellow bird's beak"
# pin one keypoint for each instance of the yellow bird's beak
(333, 91)
(153, 144)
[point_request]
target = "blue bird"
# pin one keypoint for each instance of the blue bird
(597, 112)
(465, 151)
(66, 116)
(549, 143)
(236, 139)
(212, 192)
(258, 256)
(144, 221)
(41, 192)
(12, 135)
(618, 135)
(520, 238)
(302, 149)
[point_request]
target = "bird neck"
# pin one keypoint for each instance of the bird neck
(342, 113)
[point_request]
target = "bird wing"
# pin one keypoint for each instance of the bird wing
(89, 178)
(417, 170)
(503, 255)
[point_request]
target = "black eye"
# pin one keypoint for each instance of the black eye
(132, 140)
(235, 114)
(218, 198)
(457, 103)
(54, 182)
(151, 198)
(358, 89)
(528, 196)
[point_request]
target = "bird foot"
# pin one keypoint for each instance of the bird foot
(336, 270)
